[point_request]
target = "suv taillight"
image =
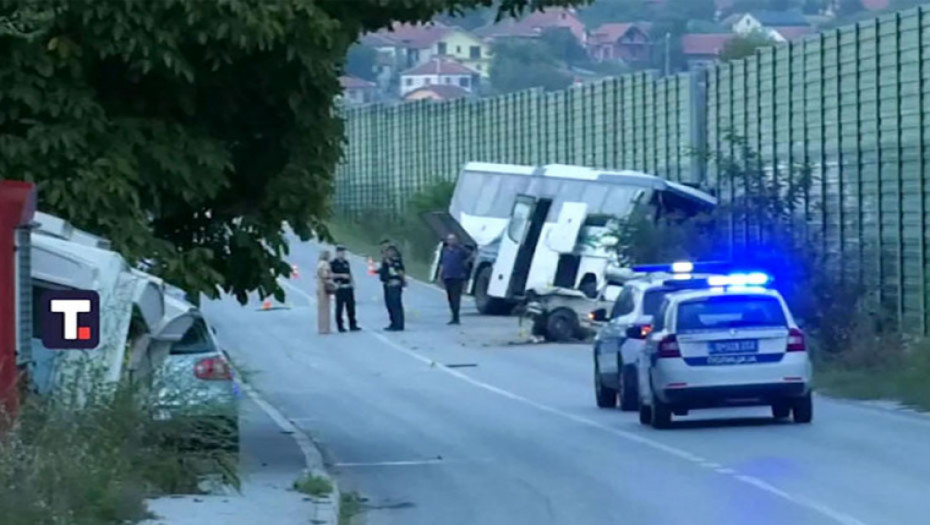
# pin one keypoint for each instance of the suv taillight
(795, 341)
(213, 369)
(668, 347)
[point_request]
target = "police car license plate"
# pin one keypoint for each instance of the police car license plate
(744, 346)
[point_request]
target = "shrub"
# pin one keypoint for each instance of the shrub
(758, 224)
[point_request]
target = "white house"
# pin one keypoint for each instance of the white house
(779, 26)
(442, 71)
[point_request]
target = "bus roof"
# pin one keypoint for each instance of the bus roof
(582, 173)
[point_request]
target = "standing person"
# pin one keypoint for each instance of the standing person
(387, 245)
(454, 267)
(392, 276)
(325, 286)
(345, 290)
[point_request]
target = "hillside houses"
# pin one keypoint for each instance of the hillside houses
(441, 61)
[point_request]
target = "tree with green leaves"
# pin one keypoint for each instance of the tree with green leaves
(607, 11)
(361, 62)
(520, 64)
(745, 6)
(848, 7)
(745, 45)
(814, 7)
(188, 132)
(564, 46)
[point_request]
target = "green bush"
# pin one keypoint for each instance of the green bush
(316, 486)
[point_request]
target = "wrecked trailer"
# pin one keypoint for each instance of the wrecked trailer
(562, 314)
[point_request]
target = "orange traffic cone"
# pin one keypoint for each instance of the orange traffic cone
(266, 304)
(371, 267)
(295, 274)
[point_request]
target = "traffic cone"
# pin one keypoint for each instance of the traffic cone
(295, 273)
(266, 304)
(371, 267)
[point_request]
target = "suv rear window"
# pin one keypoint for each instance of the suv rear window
(652, 300)
(195, 341)
(730, 311)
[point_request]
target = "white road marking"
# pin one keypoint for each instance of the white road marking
(325, 508)
(409, 463)
(821, 509)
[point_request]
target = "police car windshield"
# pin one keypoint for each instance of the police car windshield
(730, 311)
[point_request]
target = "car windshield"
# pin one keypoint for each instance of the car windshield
(730, 312)
(195, 341)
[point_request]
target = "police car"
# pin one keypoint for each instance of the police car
(726, 340)
(616, 354)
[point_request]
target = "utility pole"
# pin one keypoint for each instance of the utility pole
(668, 59)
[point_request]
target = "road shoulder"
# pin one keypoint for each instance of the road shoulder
(274, 455)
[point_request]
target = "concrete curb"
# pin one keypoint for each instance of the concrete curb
(326, 508)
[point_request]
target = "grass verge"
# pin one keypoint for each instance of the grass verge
(94, 463)
(893, 373)
(316, 486)
(351, 504)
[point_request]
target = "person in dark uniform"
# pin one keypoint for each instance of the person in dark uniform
(394, 280)
(386, 244)
(345, 290)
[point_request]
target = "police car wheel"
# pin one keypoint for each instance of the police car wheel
(803, 409)
(645, 414)
(606, 396)
(781, 410)
(629, 393)
(661, 415)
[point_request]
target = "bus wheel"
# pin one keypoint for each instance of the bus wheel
(486, 304)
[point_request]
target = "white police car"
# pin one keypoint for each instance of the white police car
(724, 341)
(616, 354)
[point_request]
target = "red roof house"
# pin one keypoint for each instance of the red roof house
(437, 92)
(698, 47)
(533, 24)
(628, 41)
(441, 71)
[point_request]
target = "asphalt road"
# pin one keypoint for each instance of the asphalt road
(455, 425)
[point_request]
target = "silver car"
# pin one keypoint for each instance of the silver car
(197, 392)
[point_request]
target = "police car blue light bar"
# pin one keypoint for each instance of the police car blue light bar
(739, 279)
(683, 267)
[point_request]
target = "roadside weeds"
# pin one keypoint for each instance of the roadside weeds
(879, 369)
(313, 485)
(351, 504)
(95, 462)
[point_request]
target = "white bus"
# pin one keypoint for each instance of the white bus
(543, 226)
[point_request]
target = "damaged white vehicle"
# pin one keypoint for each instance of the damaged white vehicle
(545, 228)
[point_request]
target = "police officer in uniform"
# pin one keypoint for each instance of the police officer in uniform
(394, 280)
(345, 290)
